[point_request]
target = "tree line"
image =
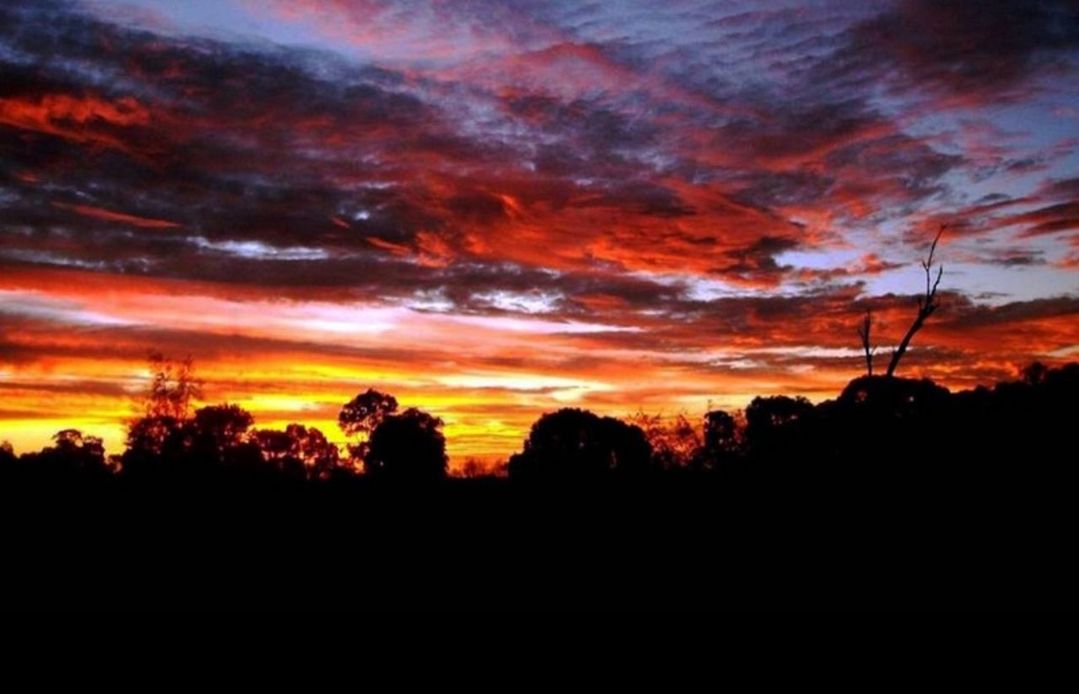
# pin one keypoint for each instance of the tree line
(878, 428)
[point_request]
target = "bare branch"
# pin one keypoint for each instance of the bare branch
(864, 332)
(927, 304)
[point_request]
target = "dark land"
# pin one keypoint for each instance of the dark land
(898, 495)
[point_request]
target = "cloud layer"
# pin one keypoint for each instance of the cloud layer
(492, 209)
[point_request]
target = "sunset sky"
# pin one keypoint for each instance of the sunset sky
(495, 209)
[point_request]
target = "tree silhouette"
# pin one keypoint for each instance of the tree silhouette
(153, 435)
(675, 441)
(578, 444)
(164, 445)
(173, 386)
(1036, 373)
(299, 451)
(892, 467)
(362, 415)
(73, 456)
(474, 468)
(162, 432)
(721, 437)
(217, 435)
(927, 305)
(776, 428)
(408, 446)
(222, 425)
(764, 414)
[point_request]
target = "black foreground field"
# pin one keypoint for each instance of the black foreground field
(483, 544)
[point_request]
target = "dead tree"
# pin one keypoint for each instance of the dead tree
(864, 333)
(927, 304)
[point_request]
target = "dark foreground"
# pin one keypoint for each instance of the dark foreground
(688, 543)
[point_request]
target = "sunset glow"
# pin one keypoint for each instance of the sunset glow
(493, 210)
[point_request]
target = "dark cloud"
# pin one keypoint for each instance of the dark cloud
(1048, 220)
(967, 48)
(964, 314)
(792, 130)
(1062, 188)
(287, 166)
(1015, 258)
(758, 260)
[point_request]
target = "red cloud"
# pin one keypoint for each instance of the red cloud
(110, 216)
(84, 119)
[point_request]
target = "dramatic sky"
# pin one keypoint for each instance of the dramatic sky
(494, 209)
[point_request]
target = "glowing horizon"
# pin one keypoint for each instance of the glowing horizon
(493, 210)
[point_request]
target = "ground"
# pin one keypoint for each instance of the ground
(487, 544)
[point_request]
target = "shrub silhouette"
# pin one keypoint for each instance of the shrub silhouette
(577, 444)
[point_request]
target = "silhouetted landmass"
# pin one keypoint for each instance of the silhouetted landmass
(896, 494)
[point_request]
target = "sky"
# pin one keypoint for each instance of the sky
(495, 209)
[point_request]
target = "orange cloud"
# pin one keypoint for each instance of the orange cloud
(76, 353)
